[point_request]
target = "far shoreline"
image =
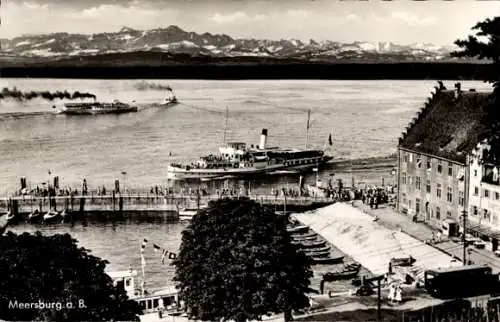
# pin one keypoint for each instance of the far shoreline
(252, 70)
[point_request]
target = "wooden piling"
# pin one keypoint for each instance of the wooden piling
(82, 204)
(121, 204)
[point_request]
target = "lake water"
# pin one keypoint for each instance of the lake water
(366, 118)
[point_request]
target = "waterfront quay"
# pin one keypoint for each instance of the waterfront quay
(146, 202)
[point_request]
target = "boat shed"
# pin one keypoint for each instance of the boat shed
(373, 246)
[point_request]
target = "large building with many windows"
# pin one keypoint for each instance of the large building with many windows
(484, 195)
(432, 154)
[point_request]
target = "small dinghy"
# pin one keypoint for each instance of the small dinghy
(310, 244)
(315, 253)
(34, 216)
(186, 214)
(349, 272)
(50, 216)
(303, 237)
(297, 229)
(65, 216)
(11, 217)
(327, 260)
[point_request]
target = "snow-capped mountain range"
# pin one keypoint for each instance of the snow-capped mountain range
(174, 40)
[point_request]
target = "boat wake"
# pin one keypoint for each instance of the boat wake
(21, 115)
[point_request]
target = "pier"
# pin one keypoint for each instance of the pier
(145, 202)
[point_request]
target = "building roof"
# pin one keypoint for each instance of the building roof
(448, 126)
(460, 268)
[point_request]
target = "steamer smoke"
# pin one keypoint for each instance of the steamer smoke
(144, 86)
(18, 95)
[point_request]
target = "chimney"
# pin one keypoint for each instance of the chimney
(458, 89)
(263, 139)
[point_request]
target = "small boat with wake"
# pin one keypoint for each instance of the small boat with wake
(34, 216)
(50, 216)
(170, 99)
(349, 271)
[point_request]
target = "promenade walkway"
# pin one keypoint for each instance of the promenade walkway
(389, 218)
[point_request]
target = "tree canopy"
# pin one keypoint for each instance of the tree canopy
(485, 44)
(236, 262)
(54, 271)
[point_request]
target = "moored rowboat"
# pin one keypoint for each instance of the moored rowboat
(327, 260)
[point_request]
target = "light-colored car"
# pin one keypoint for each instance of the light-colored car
(479, 244)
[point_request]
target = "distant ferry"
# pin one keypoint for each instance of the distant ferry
(92, 108)
(237, 159)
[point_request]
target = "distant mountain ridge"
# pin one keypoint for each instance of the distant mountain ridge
(174, 40)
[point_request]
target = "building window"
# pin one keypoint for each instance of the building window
(474, 211)
(440, 166)
(417, 206)
(411, 157)
(486, 214)
(475, 173)
(418, 182)
(461, 198)
(410, 180)
(405, 157)
(438, 213)
(438, 190)
(419, 161)
(450, 169)
(486, 193)
(497, 195)
(449, 194)
(476, 191)
(428, 186)
(448, 213)
(403, 177)
(429, 163)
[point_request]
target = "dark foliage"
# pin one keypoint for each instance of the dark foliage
(53, 269)
(236, 262)
(486, 45)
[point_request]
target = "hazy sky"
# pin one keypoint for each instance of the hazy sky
(400, 21)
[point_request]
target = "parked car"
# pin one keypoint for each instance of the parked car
(479, 244)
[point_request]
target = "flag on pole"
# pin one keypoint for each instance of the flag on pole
(156, 247)
(143, 263)
(330, 142)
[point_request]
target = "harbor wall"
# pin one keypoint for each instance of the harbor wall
(143, 203)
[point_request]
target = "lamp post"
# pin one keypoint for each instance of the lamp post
(124, 174)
